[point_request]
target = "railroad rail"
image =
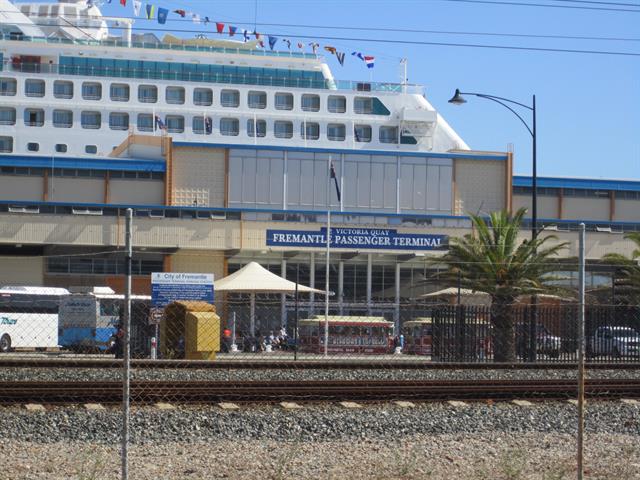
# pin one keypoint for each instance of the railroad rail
(274, 391)
(320, 363)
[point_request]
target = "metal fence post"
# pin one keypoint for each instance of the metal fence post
(126, 341)
(581, 345)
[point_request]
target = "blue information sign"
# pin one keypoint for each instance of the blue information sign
(169, 287)
(357, 238)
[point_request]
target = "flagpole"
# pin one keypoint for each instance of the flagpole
(326, 281)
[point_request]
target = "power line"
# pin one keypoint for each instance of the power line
(544, 5)
(413, 42)
(391, 29)
(600, 3)
(452, 32)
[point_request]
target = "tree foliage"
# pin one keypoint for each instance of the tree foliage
(491, 259)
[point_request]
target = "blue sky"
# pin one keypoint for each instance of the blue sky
(588, 105)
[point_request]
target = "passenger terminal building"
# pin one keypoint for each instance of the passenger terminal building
(223, 151)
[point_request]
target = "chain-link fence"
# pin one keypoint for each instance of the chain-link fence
(39, 322)
(388, 332)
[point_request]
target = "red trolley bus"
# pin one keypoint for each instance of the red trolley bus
(368, 335)
(418, 336)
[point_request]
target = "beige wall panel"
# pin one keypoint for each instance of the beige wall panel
(84, 190)
(480, 186)
(199, 261)
(218, 235)
(597, 244)
(145, 151)
(198, 175)
(547, 206)
(22, 271)
(627, 211)
(576, 208)
(15, 187)
(136, 192)
(107, 230)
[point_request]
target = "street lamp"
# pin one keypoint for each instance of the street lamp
(458, 99)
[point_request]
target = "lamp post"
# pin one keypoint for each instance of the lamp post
(458, 99)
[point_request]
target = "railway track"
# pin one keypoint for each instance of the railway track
(275, 391)
(320, 363)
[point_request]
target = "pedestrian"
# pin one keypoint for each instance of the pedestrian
(226, 340)
(118, 341)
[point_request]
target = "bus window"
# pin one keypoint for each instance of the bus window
(109, 308)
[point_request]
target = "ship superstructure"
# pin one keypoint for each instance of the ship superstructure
(69, 87)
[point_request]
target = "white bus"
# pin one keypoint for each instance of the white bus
(89, 317)
(29, 317)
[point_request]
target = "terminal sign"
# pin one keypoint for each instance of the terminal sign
(168, 287)
(357, 238)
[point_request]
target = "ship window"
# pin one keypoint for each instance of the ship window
(362, 133)
(388, 134)
(91, 91)
(34, 88)
(283, 129)
(91, 120)
(8, 87)
(284, 101)
(229, 126)
(7, 116)
(62, 118)
(34, 117)
(310, 130)
(230, 98)
(174, 123)
(118, 121)
(61, 148)
(145, 122)
(175, 95)
(119, 92)
(260, 128)
(91, 149)
(33, 146)
(62, 89)
(310, 103)
(337, 104)
(202, 125)
(203, 96)
(6, 144)
(336, 132)
(147, 94)
(257, 100)
(363, 105)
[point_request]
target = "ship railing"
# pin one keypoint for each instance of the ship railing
(223, 78)
(159, 46)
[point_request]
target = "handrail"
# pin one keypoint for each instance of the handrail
(224, 78)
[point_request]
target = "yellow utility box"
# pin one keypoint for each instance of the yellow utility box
(190, 330)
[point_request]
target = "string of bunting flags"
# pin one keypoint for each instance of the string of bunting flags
(152, 12)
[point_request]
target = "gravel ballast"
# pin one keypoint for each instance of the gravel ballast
(431, 440)
(242, 374)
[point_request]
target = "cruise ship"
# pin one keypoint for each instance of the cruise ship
(71, 87)
(222, 149)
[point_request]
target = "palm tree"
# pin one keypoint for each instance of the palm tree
(492, 260)
(627, 270)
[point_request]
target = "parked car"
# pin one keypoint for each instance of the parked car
(614, 341)
(546, 343)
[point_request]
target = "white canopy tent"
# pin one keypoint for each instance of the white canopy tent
(254, 278)
(467, 296)
(476, 297)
